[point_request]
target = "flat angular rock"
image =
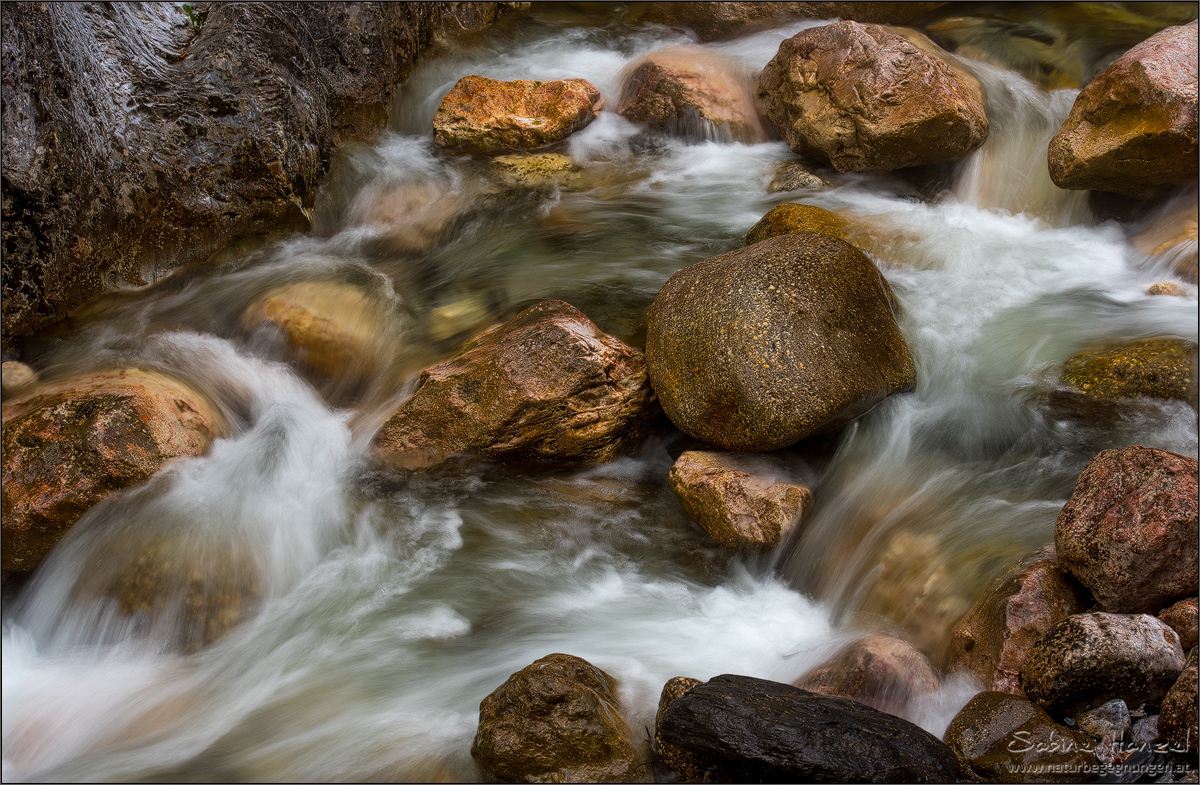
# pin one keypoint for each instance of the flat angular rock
(556, 720)
(1091, 658)
(764, 346)
(870, 100)
(764, 731)
(546, 386)
(1022, 603)
(1134, 126)
(488, 115)
(740, 503)
(877, 670)
(1129, 531)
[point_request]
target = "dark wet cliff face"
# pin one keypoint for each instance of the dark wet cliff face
(139, 138)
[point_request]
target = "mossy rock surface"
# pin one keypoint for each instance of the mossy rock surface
(1157, 368)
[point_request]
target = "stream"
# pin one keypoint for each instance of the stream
(388, 604)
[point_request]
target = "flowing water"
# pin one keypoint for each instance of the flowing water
(369, 611)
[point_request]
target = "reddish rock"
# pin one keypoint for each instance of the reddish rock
(69, 444)
(556, 720)
(714, 20)
(1090, 658)
(878, 670)
(692, 92)
(545, 386)
(1133, 127)
(741, 503)
(1181, 617)
(487, 114)
(1129, 531)
(870, 100)
(1177, 721)
(1022, 603)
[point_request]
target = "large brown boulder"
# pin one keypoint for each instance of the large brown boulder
(1157, 368)
(870, 100)
(1022, 603)
(692, 92)
(788, 218)
(489, 115)
(1182, 617)
(1134, 126)
(1090, 658)
(557, 720)
(715, 20)
(1177, 721)
(1000, 737)
(69, 444)
(761, 347)
(741, 503)
(546, 386)
(878, 670)
(137, 140)
(1128, 533)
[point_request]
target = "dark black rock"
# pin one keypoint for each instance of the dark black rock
(764, 731)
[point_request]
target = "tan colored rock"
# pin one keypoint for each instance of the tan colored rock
(788, 218)
(1182, 617)
(1177, 720)
(15, 377)
(692, 92)
(413, 219)
(546, 386)
(1157, 368)
(687, 765)
(1129, 531)
(743, 504)
(71, 443)
(337, 330)
(870, 100)
(1168, 288)
(1134, 126)
(1000, 737)
(489, 115)
(793, 176)
(557, 720)
(759, 348)
(538, 170)
(1019, 607)
(717, 20)
(878, 670)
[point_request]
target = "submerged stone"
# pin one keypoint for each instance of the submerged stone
(877, 670)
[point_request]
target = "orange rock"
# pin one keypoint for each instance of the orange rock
(486, 115)
(878, 670)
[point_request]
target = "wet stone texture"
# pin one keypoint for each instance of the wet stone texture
(1182, 617)
(687, 766)
(1158, 368)
(1134, 126)
(487, 115)
(1129, 531)
(546, 386)
(788, 218)
(1000, 737)
(764, 731)
(878, 670)
(1091, 658)
(556, 720)
(1022, 603)
(736, 501)
(869, 100)
(70, 444)
(1177, 722)
(761, 347)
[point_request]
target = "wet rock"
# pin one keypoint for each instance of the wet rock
(789, 218)
(15, 377)
(686, 765)
(792, 176)
(1109, 721)
(763, 731)
(1000, 737)
(1144, 731)
(1128, 533)
(743, 504)
(464, 315)
(1182, 617)
(557, 720)
(878, 670)
(69, 444)
(716, 20)
(1133, 127)
(692, 92)
(1170, 238)
(1177, 722)
(1090, 658)
(546, 386)
(536, 171)
(489, 115)
(764, 346)
(870, 100)
(1157, 368)
(1022, 603)
(136, 140)
(334, 329)
(412, 219)
(1169, 288)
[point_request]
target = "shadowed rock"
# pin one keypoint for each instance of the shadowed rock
(1181, 617)
(878, 670)
(1177, 721)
